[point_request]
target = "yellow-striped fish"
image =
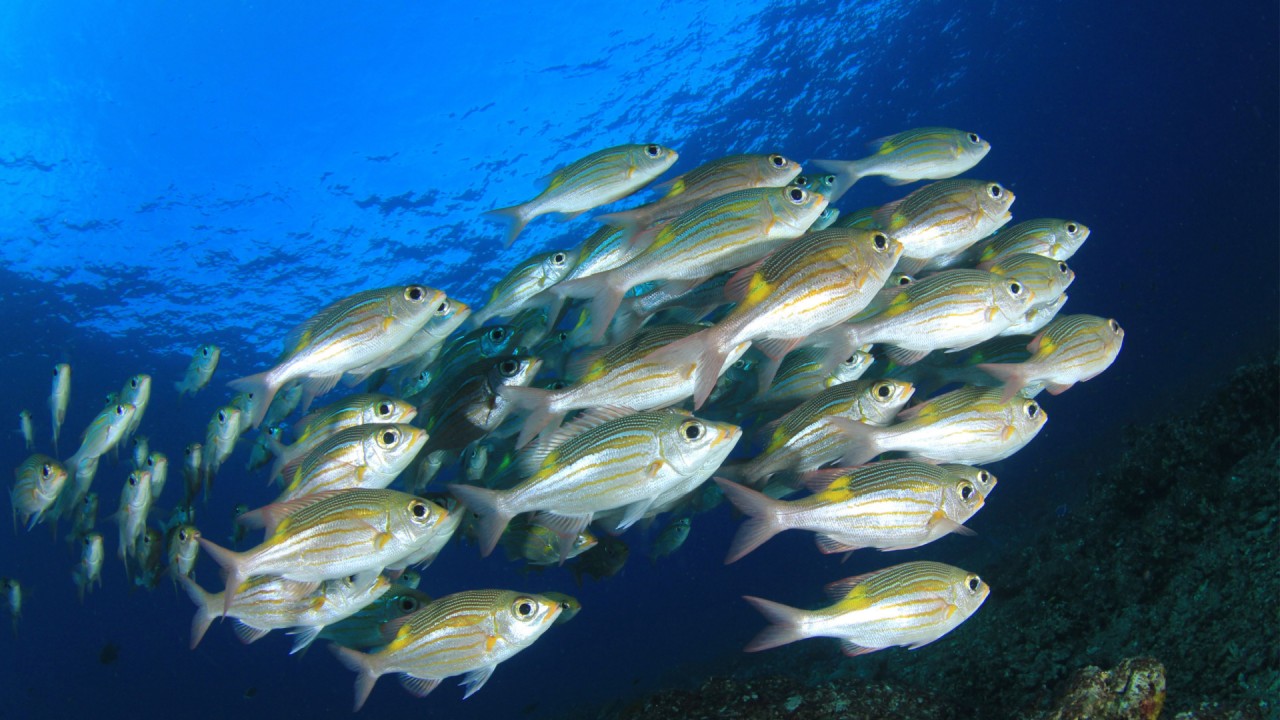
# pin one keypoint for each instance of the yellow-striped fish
(891, 505)
(512, 293)
(37, 482)
(1046, 278)
(595, 180)
(910, 605)
(448, 316)
(203, 364)
(719, 235)
(103, 433)
(350, 333)
(1036, 318)
(136, 392)
(945, 217)
(330, 535)
(88, 572)
(259, 601)
(1051, 237)
(1071, 349)
(971, 425)
(607, 458)
(802, 374)
(135, 504)
(220, 440)
(706, 182)
(624, 375)
(467, 633)
(58, 399)
(539, 545)
(158, 465)
(184, 546)
(364, 456)
(814, 282)
(927, 153)
(350, 411)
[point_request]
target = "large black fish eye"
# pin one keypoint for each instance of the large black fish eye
(524, 608)
(497, 334)
(133, 480)
(692, 430)
(1115, 326)
(413, 293)
(984, 476)
(966, 491)
(558, 258)
(1015, 289)
(1062, 268)
(47, 470)
(1032, 409)
(797, 195)
(1072, 228)
(408, 604)
(801, 181)
(389, 437)
(905, 280)
(442, 308)
(974, 583)
(881, 242)
(55, 372)
(384, 409)
(564, 336)
(133, 383)
(973, 138)
(995, 190)
(652, 151)
(883, 391)
(182, 535)
(508, 367)
(204, 351)
(120, 410)
(222, 417)
(829, 179)
(777, 161)
(418, 509)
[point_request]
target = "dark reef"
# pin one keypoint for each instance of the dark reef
(1167, 575)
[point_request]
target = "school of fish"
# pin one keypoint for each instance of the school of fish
(737, 337)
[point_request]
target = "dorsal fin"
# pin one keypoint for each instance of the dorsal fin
(886, 216)
(534, 457)
(840, 589)
(269, 517)
(738, 287)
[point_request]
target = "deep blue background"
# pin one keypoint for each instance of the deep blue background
(183, 173)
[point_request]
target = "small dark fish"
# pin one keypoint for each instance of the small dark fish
(604, 560)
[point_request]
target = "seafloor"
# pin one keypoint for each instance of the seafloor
(1160, 598)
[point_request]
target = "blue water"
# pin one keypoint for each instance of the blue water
(182, 173)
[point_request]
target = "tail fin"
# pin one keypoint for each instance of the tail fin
(204, 615)
(515, 219)
(363, 665)
(1012, 375)
(262, 388)
(231, 562)
(785, 628)
(536, 404)
(762, 522)
(488, 505)
(847, 173)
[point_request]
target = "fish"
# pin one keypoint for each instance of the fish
(890, 505)
(364, 628)
(952, 310)
(283, 405)
(826, 219)
(245, 402)
(476, 404)
(183, 547)
(707, 182)
(468, 633)
(364, 456)
(329, 535)
(27, 429)
(12, 589)
(607, 458)
(945, 217)
(814, 282)
(352, 410)
(136, 392)
(192, 470)
(1036, 318)
(1053, 238)
(135, 504)
(141, 449)
(219, 442)
(802, 374)
(448, 315)
(604, 560)
(85, 518)
(103, 434)
(971, 425)
(148, 554)
(595, 180)
(58, 399)
(336, 601)
(539, 545)
(728, 232)
(345, 335)
(525, 281)
(1071, 349)
(427, 553)
(1047, 278)
(37, 482)
(670, 539)
(911, 605)
(626, 374)
(817, 432)
(260, 455)
(88, 573)
(927, 153)
(203, 364)
(238, 531)
(261, 604)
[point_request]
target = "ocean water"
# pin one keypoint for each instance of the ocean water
(184, 173)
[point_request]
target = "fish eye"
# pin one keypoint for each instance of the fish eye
(120, 410)
(966, 491)
(905, 280)
(558, 258)
(222, 417)
(558, 385)
(1062, 268)
(384, 409)
(797, 196)
(204, 351)
(883, 391)
(1015, 289)
(692, 430)
(508, 367)
(389, 437)
(564, 336)
(1115, 326)
(974, 582)
(418, 509)
(829, 179)
(995, 190)
(413, 293)
(881, 242)
(408, 604)
(55, 371)
(523, 608)
(652, 151)
(47, 470)
(182, 535)
(497, 334)
(133, 480)
(984, 476)
(801, 181)
(1072, 228)
(1031, 409)
(777, 161)
(973, 138)
(442, 308)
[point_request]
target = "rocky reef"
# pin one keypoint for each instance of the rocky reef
(1175, 557)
